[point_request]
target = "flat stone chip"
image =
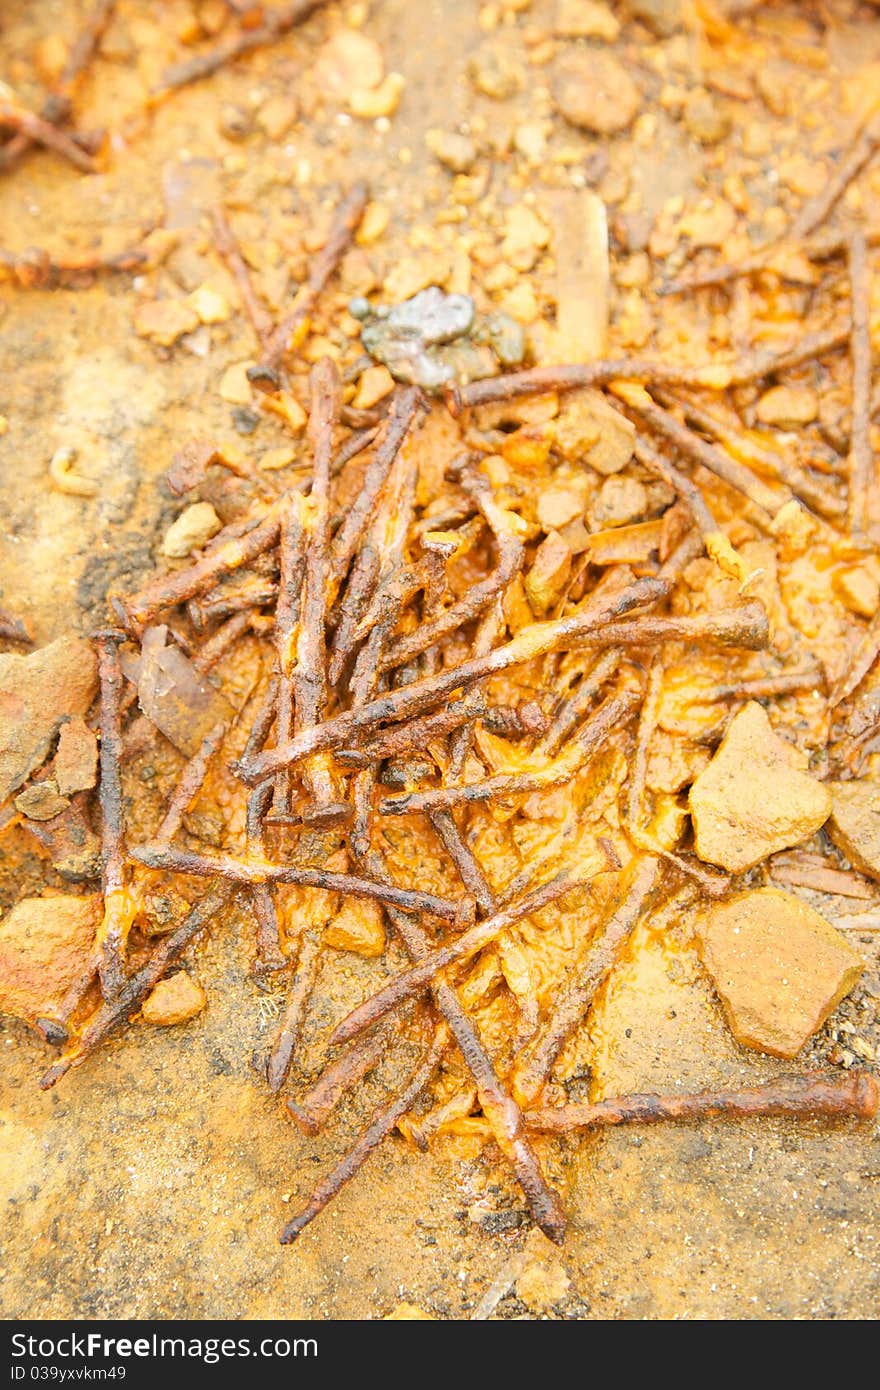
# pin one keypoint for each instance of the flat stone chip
(45, 944)
(855, 823)
(175, 999)
(779, 968)
(753, 799)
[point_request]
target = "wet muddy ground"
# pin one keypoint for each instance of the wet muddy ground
(154, 1180)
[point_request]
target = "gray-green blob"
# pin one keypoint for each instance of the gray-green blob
(435, 340)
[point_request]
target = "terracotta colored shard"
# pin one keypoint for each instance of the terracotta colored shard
(779, 968)
(175, 1000)
(753, 799)
(45, 944)
(357, 927)
(855, 823)
(36, 693)
(76, 759)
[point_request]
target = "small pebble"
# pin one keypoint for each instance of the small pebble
(357, 927)
(621, 501)
(373, 223)
(594, 92)
(64, 476)
(41, 801)
(277, 115)
(234, 122)
(374, 385)
(754, 798)
(662, 17)
(778, 966)
(549, 573)
(456, 152)
(281, 457)
(787, 407)
(176, 999)
(710, 223)
(371, 102)
(525, 237)
(76, 758)
(589, 430)
(348, 60)
(234, 385)
(193, 529)
(854, 825)
(245, 419)
(210, 305)
(530, 139)
(859, 590)
(45, 945)
(521, 303)
(705, 119)
(495, 73)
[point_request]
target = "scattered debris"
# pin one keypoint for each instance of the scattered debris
(163, 321)
(543, 1283)
(69, 842)
(457, 152)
